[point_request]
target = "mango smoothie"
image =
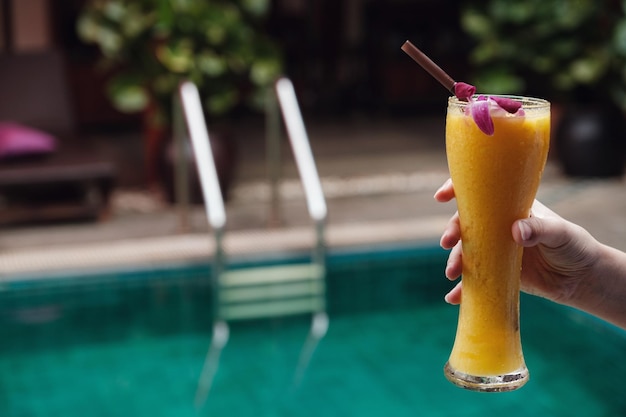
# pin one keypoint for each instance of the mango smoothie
(495, 178)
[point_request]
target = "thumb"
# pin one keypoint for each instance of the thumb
(535, 230)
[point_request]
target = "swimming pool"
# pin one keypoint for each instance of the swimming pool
(132, 342)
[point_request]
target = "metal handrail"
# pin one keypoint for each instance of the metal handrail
(209, 182)
(301, 149)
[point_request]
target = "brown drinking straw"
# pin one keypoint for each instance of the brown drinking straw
(426, 63)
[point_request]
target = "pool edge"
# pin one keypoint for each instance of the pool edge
(15, 264)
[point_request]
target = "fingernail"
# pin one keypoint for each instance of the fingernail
(524, 229)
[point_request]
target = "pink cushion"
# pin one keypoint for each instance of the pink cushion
(17, 140)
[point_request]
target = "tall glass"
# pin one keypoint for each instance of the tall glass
(495, 181)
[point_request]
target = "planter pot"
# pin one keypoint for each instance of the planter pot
(591, 141)
(224, 149)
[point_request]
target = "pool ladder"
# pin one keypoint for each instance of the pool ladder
(267, 291)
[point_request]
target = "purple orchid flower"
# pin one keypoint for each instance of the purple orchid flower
(480, 107)
(464, 91)
(480, 112)
(508, 104)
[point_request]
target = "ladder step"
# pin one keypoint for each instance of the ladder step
(271, 291)
(270, 274)
(272, 308)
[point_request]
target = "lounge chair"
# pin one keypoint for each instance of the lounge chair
(69, 182)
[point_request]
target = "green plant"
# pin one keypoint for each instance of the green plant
(554, 48)
(155, 44)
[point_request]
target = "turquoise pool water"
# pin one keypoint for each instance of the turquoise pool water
(132, 343)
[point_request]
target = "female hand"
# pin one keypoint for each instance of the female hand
(558, 256)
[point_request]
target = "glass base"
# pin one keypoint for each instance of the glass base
(496, 383)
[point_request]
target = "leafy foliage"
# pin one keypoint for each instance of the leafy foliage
(549, 47)
(217, 44)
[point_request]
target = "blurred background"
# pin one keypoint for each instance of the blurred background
(343, 56)
(100, 77)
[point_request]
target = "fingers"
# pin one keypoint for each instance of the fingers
(445, 193)
(454, 266)
(454, 296)
(450, 239)
(452, 233)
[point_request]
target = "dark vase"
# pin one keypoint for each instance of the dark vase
(591, 141)
(224, 150)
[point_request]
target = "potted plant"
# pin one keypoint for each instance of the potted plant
(153, 45)
(572, 53)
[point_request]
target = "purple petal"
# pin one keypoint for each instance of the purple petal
(480, 113)
(510, 105)
(464, 91)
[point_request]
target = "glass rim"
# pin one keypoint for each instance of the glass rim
(527, 102)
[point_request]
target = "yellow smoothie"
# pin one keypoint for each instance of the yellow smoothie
(495, 180)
